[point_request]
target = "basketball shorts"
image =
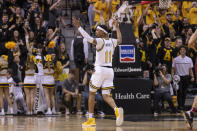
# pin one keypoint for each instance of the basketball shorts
(102, 78)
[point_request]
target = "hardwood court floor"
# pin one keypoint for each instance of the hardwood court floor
(73, 123)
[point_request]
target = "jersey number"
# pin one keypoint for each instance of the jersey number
(108, 57)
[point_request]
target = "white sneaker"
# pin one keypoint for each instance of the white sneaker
(79, 113)
(2, 113)
(28, 113)
(119, 112)
(101, 114)
(11, 111)
(53, 111)
(67, 111)
(87, 114)
(155, 114)
(48, 112)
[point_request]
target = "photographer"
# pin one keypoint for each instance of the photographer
(162, 81)
(89, 70)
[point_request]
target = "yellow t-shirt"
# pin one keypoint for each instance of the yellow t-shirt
(136, 15)
(185, 5)
(115, 3)
(91, 1)
(150, 17)
(193, 16)
(99, 5)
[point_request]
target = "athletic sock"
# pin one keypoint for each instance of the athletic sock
(90, 115)
(193, 109)
(115, 108)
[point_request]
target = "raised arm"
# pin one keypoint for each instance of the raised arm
(193, 38)
(119, 35)
(83, 32)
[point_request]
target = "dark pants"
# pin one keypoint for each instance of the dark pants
(163, 96)
(183, 85)
(80, 66)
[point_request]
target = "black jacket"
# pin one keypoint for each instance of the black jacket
(15, 74)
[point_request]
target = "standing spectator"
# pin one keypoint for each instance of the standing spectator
(71, 92)
(165, 54)
(91, 13)
(100, 9)
(182, 66)
(178, 44)
(54, 13)
(63, 56)
(79, 53)
(5, 28)
(193, 13)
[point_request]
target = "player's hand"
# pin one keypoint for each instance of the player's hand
(115, 23)
(76, 22)
(192, 79)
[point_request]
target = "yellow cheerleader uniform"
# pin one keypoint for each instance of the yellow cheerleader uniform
(49, 67)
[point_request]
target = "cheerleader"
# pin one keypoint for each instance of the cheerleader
(49, 82)
(29, 83)
(4, 87)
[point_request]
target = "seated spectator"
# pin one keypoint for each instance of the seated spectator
(162, 82)
(98, 97)
(71, 93)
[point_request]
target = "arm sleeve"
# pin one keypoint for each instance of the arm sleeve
(85, 35)
(71, 51)
(85, 48)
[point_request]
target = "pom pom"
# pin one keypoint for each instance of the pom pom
(51, 44)
(10, 44)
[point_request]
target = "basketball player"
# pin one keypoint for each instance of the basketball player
(103, 75)
(188, 115)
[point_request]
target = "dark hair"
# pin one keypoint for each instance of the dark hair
(104, 27)
(183, 46)
(72, 71)
(62, 53)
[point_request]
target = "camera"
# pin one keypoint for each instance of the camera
(154, 26)
(157, 70)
